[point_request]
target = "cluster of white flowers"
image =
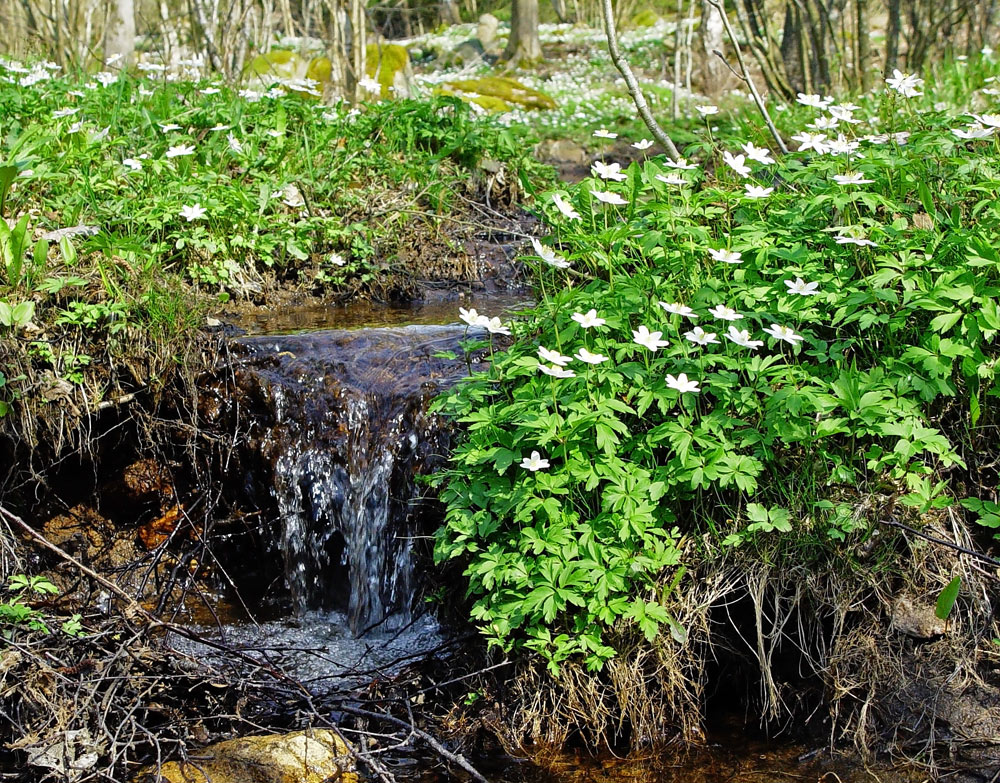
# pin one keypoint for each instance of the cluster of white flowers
(493, 325)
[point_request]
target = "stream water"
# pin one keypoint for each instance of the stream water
(337, 420)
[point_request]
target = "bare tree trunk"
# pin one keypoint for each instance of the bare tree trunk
(449, 12)
(562, 11)
(524, 44)
(791, 50)
(864, 44)
(712, 35)
(892, 37)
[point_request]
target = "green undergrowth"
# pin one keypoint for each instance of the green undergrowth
(132, 204)
(739, 361)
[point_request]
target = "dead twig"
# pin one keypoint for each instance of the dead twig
(455, 758)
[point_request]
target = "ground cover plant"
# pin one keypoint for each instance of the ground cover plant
(134, 201)
(746, 362)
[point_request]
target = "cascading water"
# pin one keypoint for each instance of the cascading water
(340, 419)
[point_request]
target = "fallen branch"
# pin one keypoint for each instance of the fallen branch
(944, 542)
(455, 758)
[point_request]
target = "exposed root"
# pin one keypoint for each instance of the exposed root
(828, 647)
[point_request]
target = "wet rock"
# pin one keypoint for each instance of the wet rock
(310, 756)
(916, 619)
(335, 429)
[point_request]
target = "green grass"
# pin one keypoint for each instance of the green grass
(193, 193)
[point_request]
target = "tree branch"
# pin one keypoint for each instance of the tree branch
(746, 76)
(633, 86)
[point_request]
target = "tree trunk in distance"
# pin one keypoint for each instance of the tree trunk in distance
(524, 44)
(712, 34)
(119, 34)
(892, 37)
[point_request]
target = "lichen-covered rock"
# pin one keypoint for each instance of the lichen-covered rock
(286, 64)
(310, 756)
(498, 93)
(389, 65)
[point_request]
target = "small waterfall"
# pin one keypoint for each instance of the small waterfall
(342, 425)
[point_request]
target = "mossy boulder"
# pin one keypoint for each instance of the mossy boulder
(389, 65)
(646, 18)
(282, 63)
(498, 93)
(310, 756)
(286, 64)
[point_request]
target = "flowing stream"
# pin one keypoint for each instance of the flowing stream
(338, 425)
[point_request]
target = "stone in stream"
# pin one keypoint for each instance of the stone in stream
(310, 756)
(336, 429)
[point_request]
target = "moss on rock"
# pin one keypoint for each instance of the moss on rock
(500, 93)
(388, 65)
(310, 756)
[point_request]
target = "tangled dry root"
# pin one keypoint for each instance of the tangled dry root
(823, 644)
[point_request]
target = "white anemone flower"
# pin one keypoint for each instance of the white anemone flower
(905, 84)
(608, 197)
(756, 191)
(759, 154)
(682, 384)
(603, 133)
(801, 287)
(548, 255)
(193, 212)
(811, 141)
(852, 178)
(647, 339)
(132, 164)
(645, 144)
(814, 101)
(556, 371)
(724, 313)
(608, 171)
(565, 207)
(589, 319)
(494, 326)
(841, 239)
(699, 336)
(471, 317)
(988, 120)
(534, 462)
(975, 131)
(737, 163)
(726, 256)
(680, 163)
(824, 123)
(672, 179)
(180, 150)
(589, 358)
(707, 110)
(842, 146)
(742, 337)
(553, 357)
(783, 333)
(676, 308)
